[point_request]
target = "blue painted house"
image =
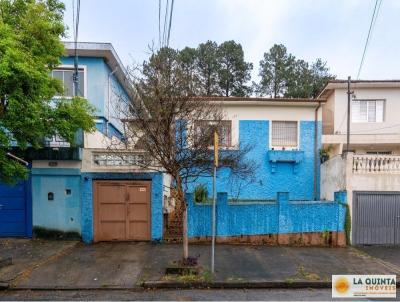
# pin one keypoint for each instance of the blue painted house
(79, 192)
(95, 196)
(281, 203)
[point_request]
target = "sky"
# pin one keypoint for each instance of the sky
(333, 30)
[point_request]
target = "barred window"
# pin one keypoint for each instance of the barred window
(284, 134)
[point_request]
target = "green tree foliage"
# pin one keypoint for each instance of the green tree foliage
(275, 71)
(233, 71)
(30, 47)
(282, 75)
(188, 60)
(207, 68)
(216, 70)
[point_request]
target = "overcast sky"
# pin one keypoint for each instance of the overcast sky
(334, 30)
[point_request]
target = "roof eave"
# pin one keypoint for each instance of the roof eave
(102, 50)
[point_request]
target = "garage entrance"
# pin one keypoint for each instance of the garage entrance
(122, 210)
(15, 210)
(376, 218)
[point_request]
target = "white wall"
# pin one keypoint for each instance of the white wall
(333, 177)
(391, 123)
(237, 112)
(337, 174)
(69, 164)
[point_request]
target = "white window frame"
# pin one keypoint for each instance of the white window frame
(64, 66)
(280, 148)
(369, 100)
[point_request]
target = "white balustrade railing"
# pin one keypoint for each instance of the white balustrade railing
(122, 159)
(376, 164)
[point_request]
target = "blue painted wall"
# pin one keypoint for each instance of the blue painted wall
(270, 178)
(96, 80)
(97, 86)
(156, 200)
(272, 217)
(101, 125)
(64, 212)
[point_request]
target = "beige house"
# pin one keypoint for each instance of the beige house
(370, 172)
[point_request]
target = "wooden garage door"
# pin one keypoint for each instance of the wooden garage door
(121, 210)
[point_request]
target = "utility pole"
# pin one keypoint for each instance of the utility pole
(213, 231)
(348, 113)
(75, 77)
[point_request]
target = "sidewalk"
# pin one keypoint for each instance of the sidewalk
(268, 266)
(127, 265)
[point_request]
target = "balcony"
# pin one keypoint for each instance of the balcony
(360, 172)
(290, 156)
(102, 160)
(376, 164)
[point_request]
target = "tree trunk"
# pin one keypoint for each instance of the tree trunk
(185, 239)
(183, 209)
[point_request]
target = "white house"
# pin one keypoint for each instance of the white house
(370, 171)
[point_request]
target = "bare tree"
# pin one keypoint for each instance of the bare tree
(175, 129)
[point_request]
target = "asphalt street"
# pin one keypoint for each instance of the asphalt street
(168, 295)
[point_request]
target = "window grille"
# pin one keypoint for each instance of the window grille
(284, 134)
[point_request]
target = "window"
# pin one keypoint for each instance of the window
(65, 75)
(367, 111)
(224, 131)
(284, 134)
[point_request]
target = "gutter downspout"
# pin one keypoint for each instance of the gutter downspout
(316, 150)
(109, 97)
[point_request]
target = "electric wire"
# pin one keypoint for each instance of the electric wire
(371, 27)
(159, 23)
(165, 24)
(170, 22)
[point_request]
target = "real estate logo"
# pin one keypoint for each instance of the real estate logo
(369, 286)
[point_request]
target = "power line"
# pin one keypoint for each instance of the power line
(170, 22)
(165, 23)
(159, 23)
(371, 26)
(164, 38)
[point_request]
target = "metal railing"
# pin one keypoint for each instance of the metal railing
(376, 164)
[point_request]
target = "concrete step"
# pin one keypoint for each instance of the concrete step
(5, 261)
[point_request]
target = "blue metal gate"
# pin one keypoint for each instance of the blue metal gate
(16, 210)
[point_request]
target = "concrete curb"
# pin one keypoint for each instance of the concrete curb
(187, 285)
(77, 288)
(237, 285)
(240, 285)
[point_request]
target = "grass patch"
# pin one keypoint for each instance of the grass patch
(202, 276)
(302, 274)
